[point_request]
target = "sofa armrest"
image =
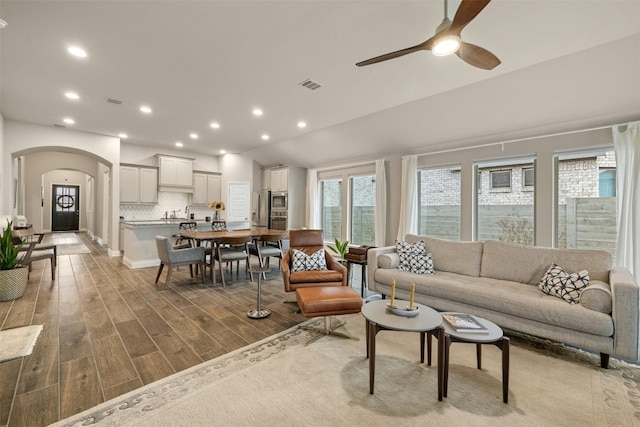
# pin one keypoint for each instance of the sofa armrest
(372, 263)
(626, 320)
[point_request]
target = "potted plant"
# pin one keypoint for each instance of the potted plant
(13, 276)
(340, 248)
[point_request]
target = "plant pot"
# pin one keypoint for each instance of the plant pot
(13, 283)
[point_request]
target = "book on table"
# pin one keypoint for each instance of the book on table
(464, 323)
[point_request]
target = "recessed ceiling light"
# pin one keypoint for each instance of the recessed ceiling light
(145, 109)
(302, 125)
(265, 137)
(72, 95)
(257, 112)
(68, 121)
(179, 144)
(223, 152)
(193, 135)
(3, 23)
(215, 125)
(77, 51)
(123, 135)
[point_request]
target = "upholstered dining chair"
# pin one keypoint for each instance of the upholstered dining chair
(309, 242)
(267, 247)
(171, 257)
(38, 250)
(227, 250)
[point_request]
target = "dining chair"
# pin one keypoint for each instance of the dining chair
(229, 249)
(34, 250)
(218, 225)
(171, 256)
(185, 226)
(267, 247)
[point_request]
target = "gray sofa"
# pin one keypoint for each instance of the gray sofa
(499, 281)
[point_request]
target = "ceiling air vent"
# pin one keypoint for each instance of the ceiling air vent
(310, 84)
(113, 101)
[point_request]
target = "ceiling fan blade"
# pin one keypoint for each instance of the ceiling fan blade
(477, 56)
(467, 10)
(422, 46)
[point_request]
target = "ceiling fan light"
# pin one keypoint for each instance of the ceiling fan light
(446, 45)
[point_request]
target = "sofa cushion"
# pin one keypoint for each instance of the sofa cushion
(501, 296)
(304, 262)
(527, 264)
(559, 283)
(405, 250)
(455, 257)
(391, 260)
(421, 263)
(597, 296)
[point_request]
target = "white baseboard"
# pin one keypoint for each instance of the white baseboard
(140, 264)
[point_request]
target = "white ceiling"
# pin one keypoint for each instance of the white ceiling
(195, 62)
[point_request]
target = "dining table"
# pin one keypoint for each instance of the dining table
(199, 237)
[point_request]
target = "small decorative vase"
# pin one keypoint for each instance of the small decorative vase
(216, 215)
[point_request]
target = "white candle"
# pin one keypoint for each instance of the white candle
(393, 291)
(413, 290)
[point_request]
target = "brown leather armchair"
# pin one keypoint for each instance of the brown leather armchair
(309, 241)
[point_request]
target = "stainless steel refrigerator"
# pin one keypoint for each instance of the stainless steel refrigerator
(261, 208)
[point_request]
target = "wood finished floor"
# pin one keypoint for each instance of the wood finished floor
(108, 330)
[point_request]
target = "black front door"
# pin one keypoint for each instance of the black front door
(65, 207)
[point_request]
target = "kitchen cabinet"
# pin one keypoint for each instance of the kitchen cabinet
(176, 173)
(138, 184)
(206, 188)
(280, 179)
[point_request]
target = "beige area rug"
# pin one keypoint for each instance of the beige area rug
(18, 342)
(73, 248)
(282, 382)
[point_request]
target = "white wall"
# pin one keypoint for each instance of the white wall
(24, 138)
(3, 184)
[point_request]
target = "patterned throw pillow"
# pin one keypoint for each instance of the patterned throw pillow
(405, 250)
(421, 263)
(304, 262)
(561, 284)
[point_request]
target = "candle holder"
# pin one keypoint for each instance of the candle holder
(404, 312)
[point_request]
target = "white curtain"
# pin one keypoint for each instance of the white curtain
(626, 143)
(408, 197)
(313, 203)
(381, 204)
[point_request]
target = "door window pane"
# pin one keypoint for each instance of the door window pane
(363, 206)
(439, 207)
(586, 202)
(331, 193)
(504, 211)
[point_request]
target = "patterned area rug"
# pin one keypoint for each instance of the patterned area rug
(280, 381)
(72, 249)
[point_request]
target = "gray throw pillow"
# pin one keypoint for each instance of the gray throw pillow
(559, 283)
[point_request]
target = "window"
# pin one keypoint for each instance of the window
(363, 210)
(586, 201)
(500, 179)
(439, 207)
(528, 178)
(331, 194)
(505, 215)
(607, 182)
(348, 211)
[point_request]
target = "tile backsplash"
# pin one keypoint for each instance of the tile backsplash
(167, 202)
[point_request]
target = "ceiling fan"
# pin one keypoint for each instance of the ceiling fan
(447, 39)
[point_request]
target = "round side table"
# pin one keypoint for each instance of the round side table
(259, 312)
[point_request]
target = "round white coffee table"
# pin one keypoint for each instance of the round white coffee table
(427, 321)
(493, 335)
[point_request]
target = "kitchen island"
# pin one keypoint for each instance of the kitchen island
(139, 239)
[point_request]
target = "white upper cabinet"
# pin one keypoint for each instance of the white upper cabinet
(176, 172)
(206, 188)
(280, 179)
(138, 184)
